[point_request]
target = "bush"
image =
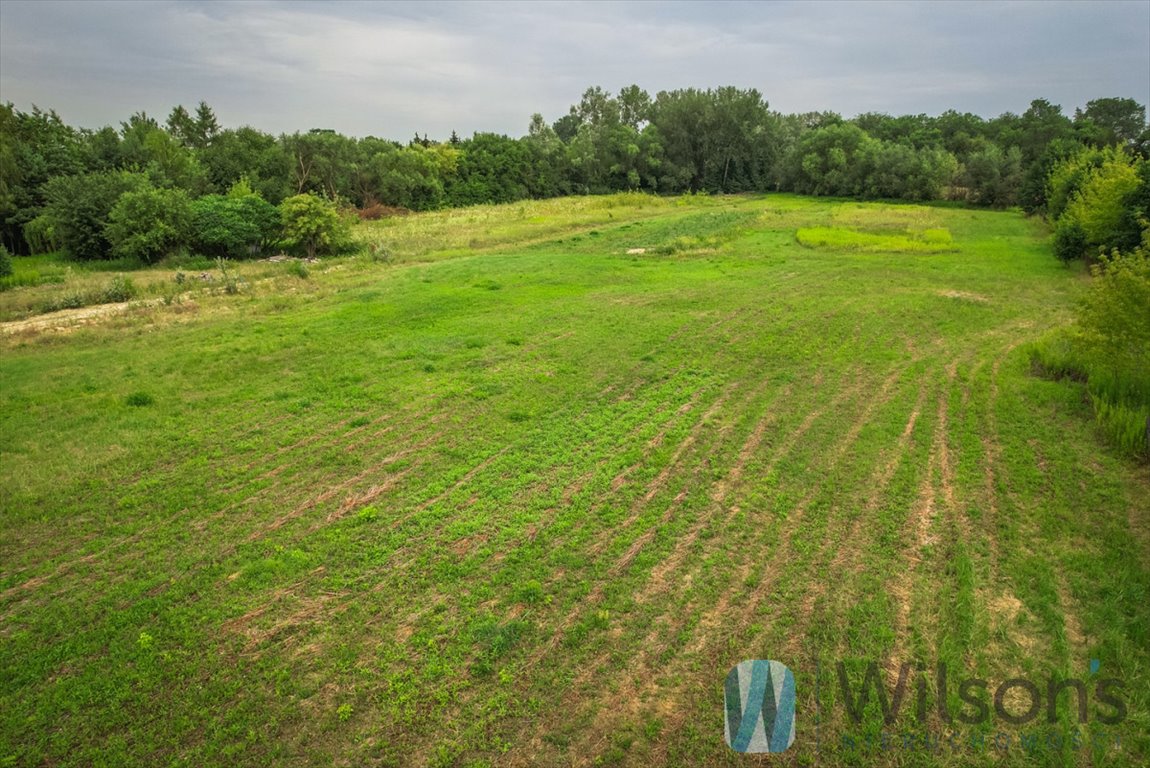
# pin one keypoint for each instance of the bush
(235, 226)
(1099, 205)
(1069, 239)
(298, 269)
(79, 207)
(1099, 202)
(1112, 347)
(1114, 313)
(149, 224)
(119, 289)
(5, 262)
(314, 225)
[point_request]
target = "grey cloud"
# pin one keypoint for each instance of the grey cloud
(394, 69)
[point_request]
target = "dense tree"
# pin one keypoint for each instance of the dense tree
(35, 147)
(1033, 131)
(634, 107)
(1033, 191)
(723, 140)
(149, 223)
(825, 160)
(320, 162)
(1111, 122)
(1134, 224)
(246, 153)
(79, 208)
(916, 131)
(149, 149)
(900, 171)
(1099, 201)
(680, 117)
(961, 133)
(104, 149)
(1099, 205)
(992, 176)
(197, 131)
(409, 177)
(492, 169)
(719, 141)
(738, 146)
(1068, 176)
(551, 172)
(238, 225)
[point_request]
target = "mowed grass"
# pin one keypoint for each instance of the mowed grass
(519, 498)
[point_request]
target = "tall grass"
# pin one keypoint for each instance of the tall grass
(935, 240)
(1121, 400)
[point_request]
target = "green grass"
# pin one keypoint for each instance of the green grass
(513, 496)
(937, 240)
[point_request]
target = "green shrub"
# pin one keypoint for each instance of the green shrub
(1110, 349)
(236, 226)
(1099, 205)
(1069, 239)
(5, 262)
(1068, 176)
(314, 225)
(120, 289)
(230, 279)
(149, 224)
(1115, 320)
(298, 268)
(73, 300)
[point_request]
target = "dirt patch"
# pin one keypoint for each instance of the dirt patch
(69, 319)
(965, 296)
(1006, 617)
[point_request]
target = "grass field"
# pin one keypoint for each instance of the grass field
(516, 497)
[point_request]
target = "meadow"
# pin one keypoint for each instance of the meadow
(496, 492)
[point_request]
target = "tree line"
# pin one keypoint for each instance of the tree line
(56, 179)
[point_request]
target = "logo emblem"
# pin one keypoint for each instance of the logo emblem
(760, 706)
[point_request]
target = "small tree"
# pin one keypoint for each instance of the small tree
(313, 224)
(1106, 208)
(234, 226)
(149, 224)
(1100, 203)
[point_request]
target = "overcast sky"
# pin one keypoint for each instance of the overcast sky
(393, 69)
